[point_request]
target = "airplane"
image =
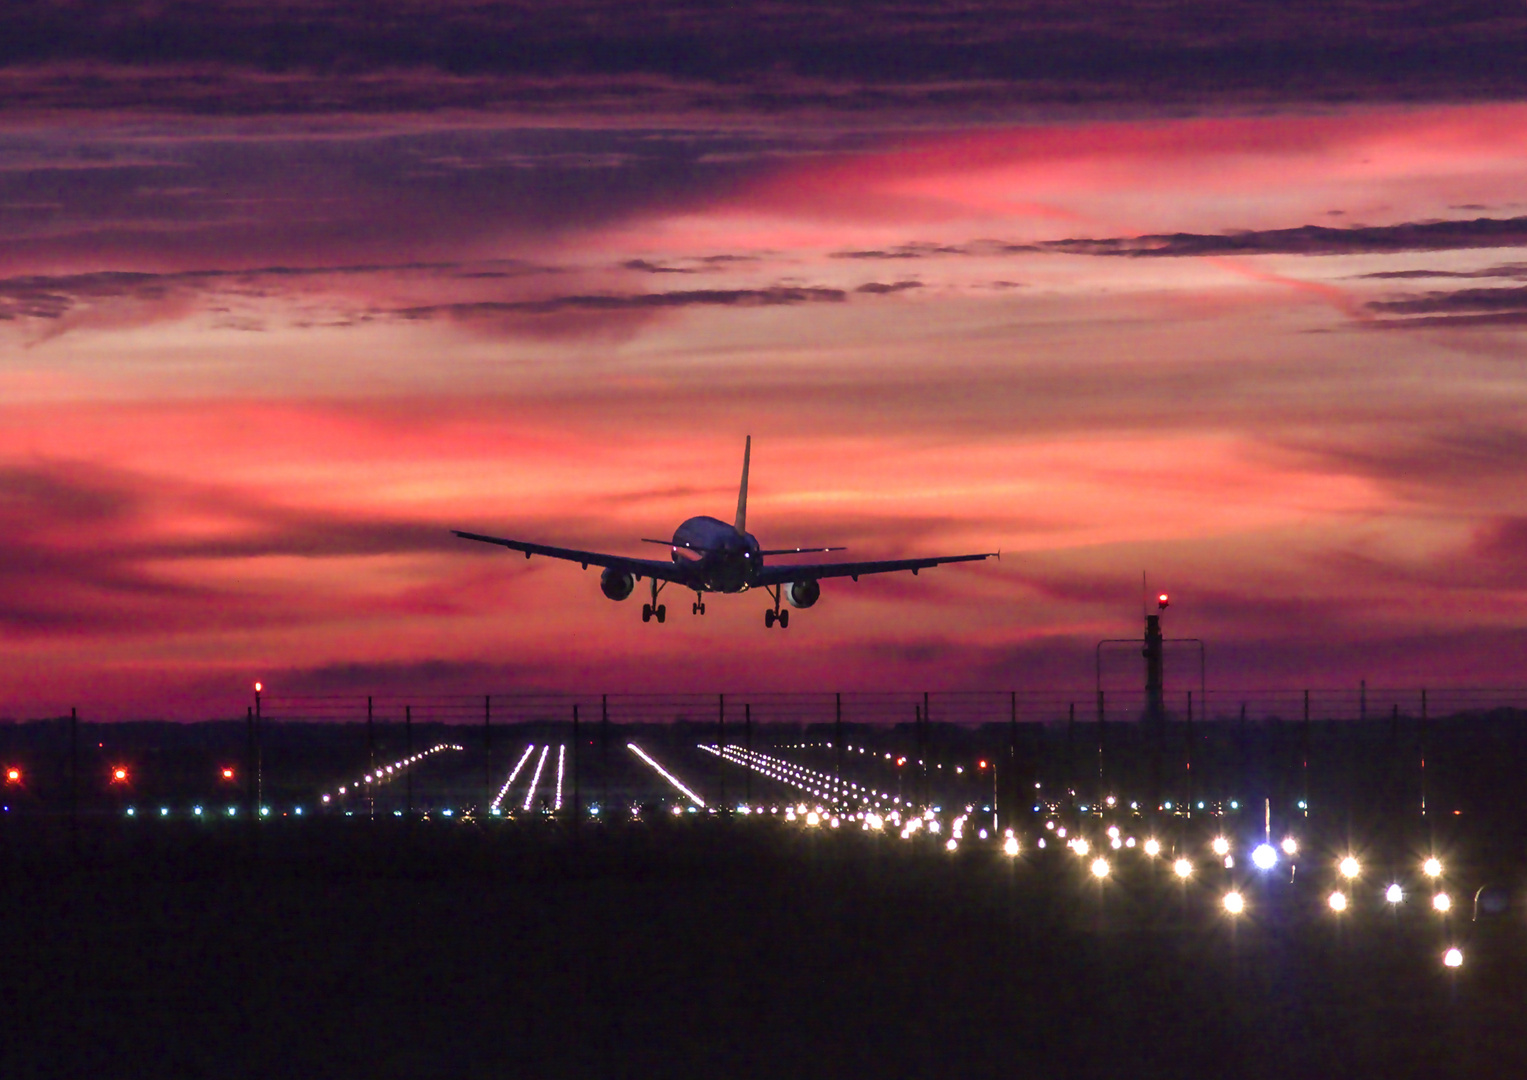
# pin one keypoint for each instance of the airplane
(708, 555)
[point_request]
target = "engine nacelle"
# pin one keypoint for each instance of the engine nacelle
(616, 583)
(803, 593)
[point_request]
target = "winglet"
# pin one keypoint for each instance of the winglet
(742, 495)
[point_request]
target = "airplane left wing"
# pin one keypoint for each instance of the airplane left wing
(663, 571)
(782, 575)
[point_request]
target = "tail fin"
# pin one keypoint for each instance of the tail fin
(742, 495)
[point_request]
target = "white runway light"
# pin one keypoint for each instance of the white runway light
(556, 803)
(665, 774)
(535, 781)
(1264, 857)
(513, 774)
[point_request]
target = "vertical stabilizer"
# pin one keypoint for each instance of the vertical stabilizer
(742, 494)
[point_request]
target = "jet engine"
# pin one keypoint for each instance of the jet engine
(616, 583)
(802, 593)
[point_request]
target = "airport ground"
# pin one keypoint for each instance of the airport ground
(359, 939)
(704, 948)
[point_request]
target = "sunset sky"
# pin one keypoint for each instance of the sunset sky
(1232, 294)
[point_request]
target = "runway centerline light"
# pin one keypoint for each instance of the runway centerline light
(1221, 846)
(1394, 894)
(1337, 900)
(1182, 868)
(1264, 857)
(1350, 867)
(1153, 847)
(1234, 903)
(1100, 868)
(1010, 846)
(1442, 902)
(1432, 867)
(1290, 846)
(1453, 957)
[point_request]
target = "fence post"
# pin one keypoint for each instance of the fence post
(74, 773)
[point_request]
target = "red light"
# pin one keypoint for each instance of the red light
(13, 776)
(901, 761)
(981, 765)
(119, 775)
(259, 687)
(227, 774)
(1163, 600)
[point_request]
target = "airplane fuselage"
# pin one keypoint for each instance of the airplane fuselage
(721, 558)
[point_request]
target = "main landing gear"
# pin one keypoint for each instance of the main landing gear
(776, 615)
(698, 607)
(654, 608)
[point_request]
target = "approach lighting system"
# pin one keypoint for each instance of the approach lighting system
(1264, 857)
(1394, 894)
(1350, 867)
(1153, 847)
(1453, 958)
(1338, 901)
(1443, 903)
(1290, 846)
(1183, 869)
(1010, 846)
(1234, 903)
(1432, 867)
(1100, 868)
(1221, 846)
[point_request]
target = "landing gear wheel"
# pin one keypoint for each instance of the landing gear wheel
(769, 619)
(694, 609)
(702, 609)
(646, 613)
(784, 620)
(661, 612)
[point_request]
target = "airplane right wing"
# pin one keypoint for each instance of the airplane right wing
(639, 568)
(781, 575)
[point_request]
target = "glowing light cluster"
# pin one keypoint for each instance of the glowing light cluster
(665, 774)
(843, 794)
(556, 802)
(514, 773)
(387, 772)
(535, 780)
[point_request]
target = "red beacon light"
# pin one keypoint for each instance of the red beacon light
(119, 775)
(1163, 601)
(981, 764)
(13, 775)
(227, 774)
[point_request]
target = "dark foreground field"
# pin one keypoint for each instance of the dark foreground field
(701, 949)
